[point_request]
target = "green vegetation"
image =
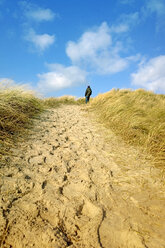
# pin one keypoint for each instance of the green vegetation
(138, 116)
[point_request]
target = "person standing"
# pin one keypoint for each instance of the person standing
(88, 93)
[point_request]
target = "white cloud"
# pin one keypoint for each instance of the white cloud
(149, 8)
(89, 43)
(41, 41)
(125, 23)
(156, 6)
(60, 77)
(36, 13)
(108, 65)
(33, 12)
(40, 15)
(121, 28)
(97, 52)
(130, 19)
(151, 75)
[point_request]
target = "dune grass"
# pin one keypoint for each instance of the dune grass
(138, 116)
(54, 102)
(17, 108)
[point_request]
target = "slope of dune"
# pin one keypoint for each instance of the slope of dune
(75, 184)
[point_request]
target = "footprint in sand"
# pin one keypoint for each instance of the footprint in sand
(73, 189)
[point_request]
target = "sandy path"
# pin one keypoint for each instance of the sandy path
(68, 187)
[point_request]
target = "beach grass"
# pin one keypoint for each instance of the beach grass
(137, 116)
(54, 102)
(17, 108)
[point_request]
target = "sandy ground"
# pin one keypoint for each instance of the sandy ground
(73, 184)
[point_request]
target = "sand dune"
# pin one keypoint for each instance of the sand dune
(73, 184)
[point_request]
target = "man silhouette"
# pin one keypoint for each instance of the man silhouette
(88, 93)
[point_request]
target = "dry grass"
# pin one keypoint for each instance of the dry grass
(53, 102)
(17, 108)
(138, 116)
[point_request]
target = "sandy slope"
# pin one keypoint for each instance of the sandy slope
(68, 187)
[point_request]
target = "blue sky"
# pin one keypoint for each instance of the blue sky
(58, 47)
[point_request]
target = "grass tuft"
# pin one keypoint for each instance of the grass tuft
(53, 102)
(17, 108)
(138, 116)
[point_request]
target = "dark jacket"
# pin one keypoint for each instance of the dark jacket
(88, 91)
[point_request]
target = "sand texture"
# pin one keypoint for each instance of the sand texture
(73, 184)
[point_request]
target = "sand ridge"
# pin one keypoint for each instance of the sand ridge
(68, 187)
